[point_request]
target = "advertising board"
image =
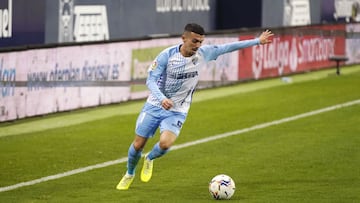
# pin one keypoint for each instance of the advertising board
(308, 48)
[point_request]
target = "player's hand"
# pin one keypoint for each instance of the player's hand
(265, 37)
(167, 104)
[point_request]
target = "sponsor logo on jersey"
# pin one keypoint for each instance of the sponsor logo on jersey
(184, 75)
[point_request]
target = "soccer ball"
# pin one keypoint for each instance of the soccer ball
(222, 187)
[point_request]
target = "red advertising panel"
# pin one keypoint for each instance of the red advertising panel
(306, 48)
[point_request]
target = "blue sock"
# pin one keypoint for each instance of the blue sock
(133, 159)
(156, 152)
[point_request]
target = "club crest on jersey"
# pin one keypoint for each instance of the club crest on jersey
(194, 60)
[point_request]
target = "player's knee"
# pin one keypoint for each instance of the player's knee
(139, 143)
(167, 139)
(137, 147)
(165, 145)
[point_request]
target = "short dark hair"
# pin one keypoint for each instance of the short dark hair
(193, 27)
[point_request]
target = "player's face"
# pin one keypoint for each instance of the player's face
(192, 42)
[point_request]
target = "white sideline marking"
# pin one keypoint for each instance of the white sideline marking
(180, 146)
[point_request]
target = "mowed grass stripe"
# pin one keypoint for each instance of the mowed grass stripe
(181, 146)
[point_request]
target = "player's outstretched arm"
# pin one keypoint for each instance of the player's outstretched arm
(265, 37)
(213, 51)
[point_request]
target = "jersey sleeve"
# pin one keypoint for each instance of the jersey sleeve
(155, 71)
(211, 52)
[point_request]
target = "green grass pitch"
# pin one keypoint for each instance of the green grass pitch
(312, 159)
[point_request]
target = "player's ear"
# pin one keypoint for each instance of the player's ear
(183, 37)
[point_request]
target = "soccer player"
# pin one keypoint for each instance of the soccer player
(172, 79)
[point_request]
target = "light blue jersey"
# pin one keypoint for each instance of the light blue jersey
(175, 77)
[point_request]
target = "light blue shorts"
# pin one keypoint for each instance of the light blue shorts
(152, 117)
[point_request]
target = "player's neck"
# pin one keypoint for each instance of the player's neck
(183, 51)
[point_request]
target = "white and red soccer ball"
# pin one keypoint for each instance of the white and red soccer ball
(222, 187)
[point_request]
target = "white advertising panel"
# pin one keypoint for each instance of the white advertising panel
(37, 82)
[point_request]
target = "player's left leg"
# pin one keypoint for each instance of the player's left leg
(167, 139)
(170, 129)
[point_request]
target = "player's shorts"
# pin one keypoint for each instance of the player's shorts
(152, 117)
